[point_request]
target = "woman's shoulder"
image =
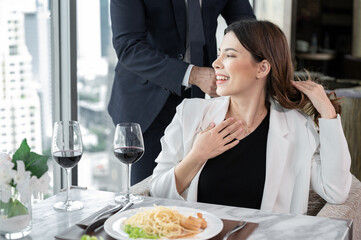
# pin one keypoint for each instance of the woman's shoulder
(294, 119)
(293, 113)
(206, 100)
(201, 103)
(297, 113)
(196, 110)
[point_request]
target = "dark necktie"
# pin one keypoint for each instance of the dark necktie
(196, 34)
(196, 38)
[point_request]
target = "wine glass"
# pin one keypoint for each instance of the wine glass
(67, 149)
(128, 147)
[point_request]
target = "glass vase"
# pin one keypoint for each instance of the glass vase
(15, 215)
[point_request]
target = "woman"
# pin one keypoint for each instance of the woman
(254, 146)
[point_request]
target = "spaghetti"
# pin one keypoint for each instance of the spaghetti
(166, 222)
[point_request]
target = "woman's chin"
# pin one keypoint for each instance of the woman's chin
(221, 92)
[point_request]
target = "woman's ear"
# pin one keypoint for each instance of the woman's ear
(264, 69)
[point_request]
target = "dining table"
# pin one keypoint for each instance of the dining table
(47, 222)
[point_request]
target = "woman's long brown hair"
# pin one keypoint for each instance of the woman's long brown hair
(264, 40)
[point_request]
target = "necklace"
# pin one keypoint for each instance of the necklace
(247, 130)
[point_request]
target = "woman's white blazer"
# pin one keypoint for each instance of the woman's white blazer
(297, 156)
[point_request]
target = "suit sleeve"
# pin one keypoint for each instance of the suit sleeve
(236, 10)
(162, 183)
(133, 51)
(330, 176)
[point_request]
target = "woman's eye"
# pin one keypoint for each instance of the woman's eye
(229, 55)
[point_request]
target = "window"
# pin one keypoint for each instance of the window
(96, 63)
(32, 50)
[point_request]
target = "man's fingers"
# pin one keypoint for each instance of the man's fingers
(212, 91)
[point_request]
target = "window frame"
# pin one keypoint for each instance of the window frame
(64, 76)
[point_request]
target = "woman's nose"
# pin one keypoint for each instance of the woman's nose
(217, 63)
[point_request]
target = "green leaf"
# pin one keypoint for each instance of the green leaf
(136, 232)
(37, 164)
(13, 208)
(87, 237)
(23, 153)
(17, 209)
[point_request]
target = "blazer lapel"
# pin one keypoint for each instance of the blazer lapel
(179, 9)
(216, 112)
(277, 152)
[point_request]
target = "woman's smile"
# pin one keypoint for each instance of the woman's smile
(235, 68)
(221, 79)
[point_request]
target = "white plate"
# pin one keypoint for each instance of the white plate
(113, 226)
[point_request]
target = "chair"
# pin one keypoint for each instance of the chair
(350, 209)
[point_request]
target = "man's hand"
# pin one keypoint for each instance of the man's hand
(205, 79)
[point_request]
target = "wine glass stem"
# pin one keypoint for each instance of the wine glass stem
(67, 200)
(129, 179)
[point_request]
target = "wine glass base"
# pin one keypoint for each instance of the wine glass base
(122, 199)
(68, 206)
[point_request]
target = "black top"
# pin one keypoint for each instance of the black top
(236, 177)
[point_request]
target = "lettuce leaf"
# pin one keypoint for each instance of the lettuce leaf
(136, 232)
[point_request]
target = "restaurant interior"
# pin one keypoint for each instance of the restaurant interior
(57, 63)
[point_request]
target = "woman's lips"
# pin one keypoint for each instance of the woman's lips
(218, 82)
(221, 79)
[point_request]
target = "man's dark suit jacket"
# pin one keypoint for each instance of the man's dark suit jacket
(149, 37)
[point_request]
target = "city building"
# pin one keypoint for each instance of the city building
(19, 102)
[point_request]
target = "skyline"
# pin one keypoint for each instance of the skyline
(33, 86)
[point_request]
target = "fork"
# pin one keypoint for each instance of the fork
(100, 222)
(110, 211)
(238, 227)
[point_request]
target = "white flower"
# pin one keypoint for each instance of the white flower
(21, 177)
(22, 181)
(40, 185)
(6, 172)
(44, 183)
(4, 157)
(34, 185)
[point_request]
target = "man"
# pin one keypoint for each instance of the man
(152, 39)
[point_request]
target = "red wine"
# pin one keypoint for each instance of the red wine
(128, 155)
(68, 158)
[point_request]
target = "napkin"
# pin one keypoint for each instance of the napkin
(75, 232)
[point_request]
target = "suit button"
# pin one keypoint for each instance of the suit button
(180, 56)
